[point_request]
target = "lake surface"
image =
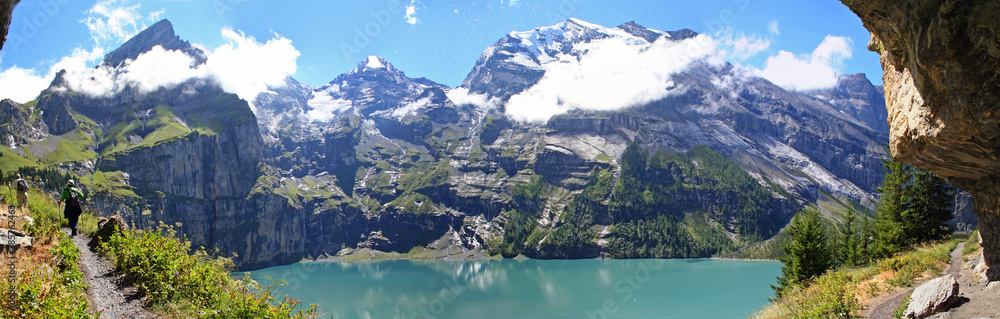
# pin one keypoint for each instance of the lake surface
(644, 288)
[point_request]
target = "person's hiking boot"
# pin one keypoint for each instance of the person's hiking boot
(74, 233)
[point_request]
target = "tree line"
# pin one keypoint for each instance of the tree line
(914, 208)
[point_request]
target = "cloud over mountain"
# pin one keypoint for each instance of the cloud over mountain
(243, 66)
(614, 75)
(817, 70)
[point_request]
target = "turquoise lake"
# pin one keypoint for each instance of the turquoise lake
(641, 288)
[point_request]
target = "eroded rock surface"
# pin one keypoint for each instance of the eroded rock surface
(6, 10)
(942, 87)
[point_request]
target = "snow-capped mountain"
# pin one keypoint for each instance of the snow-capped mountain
(358, 89)
(520, 59)
(376, 159)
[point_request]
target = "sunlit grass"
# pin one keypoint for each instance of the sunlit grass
(842, 293)
(49, 281)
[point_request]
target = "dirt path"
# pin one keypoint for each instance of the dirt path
(977, 298)
(883, 309)
(107, 297)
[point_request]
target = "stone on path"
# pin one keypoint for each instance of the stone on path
(931, 297)
(106, 227)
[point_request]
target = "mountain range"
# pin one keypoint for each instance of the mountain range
(568, 141)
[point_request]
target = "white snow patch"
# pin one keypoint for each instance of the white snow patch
(536, 41)
(792, 157)
(373, 62)
(525, 60)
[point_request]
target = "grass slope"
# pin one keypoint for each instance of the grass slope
(842, 293)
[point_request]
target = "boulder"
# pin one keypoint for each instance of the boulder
(20, 238)
(931, 297)
(106, 227)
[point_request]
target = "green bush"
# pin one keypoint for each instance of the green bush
(49, 281)
(192, 283)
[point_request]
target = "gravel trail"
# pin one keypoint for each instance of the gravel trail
(109, 297)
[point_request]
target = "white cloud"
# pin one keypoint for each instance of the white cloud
(816, 71)
(110, 22)
(833, 50)
(160, 68)
(21, 85)
(513, 3)
(99, 81)
(743, 47)
(613, 75)
(246, 67)
(738, 47)
(243, 66)
(113, 22)
(461, 96)
(773, 27)
(81, 78)
(411, 12)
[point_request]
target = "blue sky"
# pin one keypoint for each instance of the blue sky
(440, 40)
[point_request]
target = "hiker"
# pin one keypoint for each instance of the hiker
(22, 191)
(72, 196)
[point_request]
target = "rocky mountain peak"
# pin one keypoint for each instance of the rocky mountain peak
(372, 86)
(640, 31)
(856, 96)
(373, 63)
(158, 34)
(651, 35)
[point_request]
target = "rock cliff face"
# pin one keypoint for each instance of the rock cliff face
(6, 10)
(942, 85)
(22, 127)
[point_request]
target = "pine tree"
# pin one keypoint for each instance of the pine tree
(850, 244)
(930, 201)
(890, 235)
(867, 240)
(807, 253)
